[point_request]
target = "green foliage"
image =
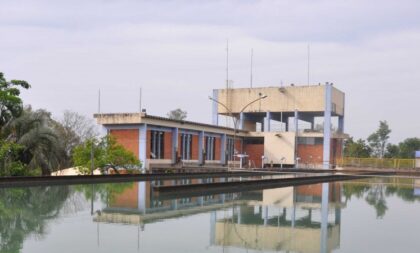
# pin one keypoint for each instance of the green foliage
(408, 147)
(9, 159)
(106, 154)
(10, 102)
(379, 139)
(41, 147)
(356, 149)
(177, 114)
(392, 151)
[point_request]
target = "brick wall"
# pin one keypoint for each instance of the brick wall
(306, 151)
(217, 148)
(194, 147)
(167, 142)
(238, 146)
(316, 151)
(128, 138)
(254, 152)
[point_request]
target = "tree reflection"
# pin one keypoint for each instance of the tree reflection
(376, 193)
(106, 192)
(26, 211)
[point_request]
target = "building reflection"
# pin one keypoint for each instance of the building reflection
(285, 219)
(293, 219)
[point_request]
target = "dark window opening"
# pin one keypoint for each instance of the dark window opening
(157, 144)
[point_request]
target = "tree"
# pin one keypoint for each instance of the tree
(392, 151)
(9, 159)
(379, 139)
(177, 114)
(408, 147)
(106, 154)
(41, 147)
(357, 149)
(74, 129)
(10, 102)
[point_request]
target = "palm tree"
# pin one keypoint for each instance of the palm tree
(42, 148)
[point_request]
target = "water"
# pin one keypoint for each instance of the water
(366, 215)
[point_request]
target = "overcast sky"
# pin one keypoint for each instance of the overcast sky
(175, 50)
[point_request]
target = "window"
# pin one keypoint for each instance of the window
(209, 147)
(254, 141)
(310, 140)
(186, 144)
(157, 144)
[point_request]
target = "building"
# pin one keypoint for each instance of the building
(279, 129)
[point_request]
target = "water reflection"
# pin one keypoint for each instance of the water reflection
(305, 218)
(283, 219)
(26, 211)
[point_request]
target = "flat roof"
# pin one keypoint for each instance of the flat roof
(141, 118)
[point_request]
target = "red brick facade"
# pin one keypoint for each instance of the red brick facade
(128, 138)
(254, 152)
(167, 142)
(311, 154)
(217, 146)
(195, 149)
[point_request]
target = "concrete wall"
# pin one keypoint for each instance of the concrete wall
(302, 98)
(276, 147)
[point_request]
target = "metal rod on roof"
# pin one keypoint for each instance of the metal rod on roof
(140, 101)
(309, 50)
(99, 101)
(252, 56)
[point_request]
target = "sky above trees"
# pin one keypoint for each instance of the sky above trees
(175, 50)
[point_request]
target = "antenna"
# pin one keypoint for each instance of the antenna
(227, 63)
(252, 56)
(227, 77)
(140, 100)
(309, 51)
(99, 101)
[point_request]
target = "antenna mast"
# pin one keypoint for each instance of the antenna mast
(227, 78)
(140, 100)
(309, 51)
(252, 56)
(99, 101)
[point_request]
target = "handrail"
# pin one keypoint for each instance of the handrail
(386, 163)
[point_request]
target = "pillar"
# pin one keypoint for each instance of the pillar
(200, 147)
(324, 218)
(327, 127)
(296, 121)
(223, 149)
(215, 109)
(241, 121)
(267, 126)
(213, 219)
(141, 201)
(175, 145)
(143, 145)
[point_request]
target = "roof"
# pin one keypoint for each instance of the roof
(136, 118)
